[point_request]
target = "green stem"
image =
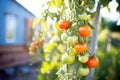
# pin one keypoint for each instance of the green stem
(66, 70)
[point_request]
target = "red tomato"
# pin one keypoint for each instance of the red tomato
(81, 48)
(35, 44)
(93, 62)
(64, 25)
(84, 31)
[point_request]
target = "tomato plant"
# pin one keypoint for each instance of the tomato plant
(93, 62)
(71, 32)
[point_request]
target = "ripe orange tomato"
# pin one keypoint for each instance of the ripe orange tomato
(35, 44)
(93, 62)
(43, 40)
(81, 48)
(33, 49)
(84, 31)
(64, 25)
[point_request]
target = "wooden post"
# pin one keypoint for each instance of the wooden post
(94, 43)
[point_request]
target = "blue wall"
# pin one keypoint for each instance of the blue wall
(12, 7)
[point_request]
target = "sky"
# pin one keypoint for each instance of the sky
(35, 7)
(113, 14)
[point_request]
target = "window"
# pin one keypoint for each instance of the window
(10, 25)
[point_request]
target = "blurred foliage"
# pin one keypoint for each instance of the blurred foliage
(104, 2)
(109, 67)
(111, 25)
(118, 8)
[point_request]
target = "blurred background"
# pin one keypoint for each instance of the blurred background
(16, 18)
(15, 29)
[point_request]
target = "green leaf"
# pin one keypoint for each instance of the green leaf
(59, 3)
(52, 15)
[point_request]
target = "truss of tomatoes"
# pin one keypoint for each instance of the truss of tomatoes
(79, 48)
(36, 43)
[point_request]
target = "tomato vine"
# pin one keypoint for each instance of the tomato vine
(72, 28)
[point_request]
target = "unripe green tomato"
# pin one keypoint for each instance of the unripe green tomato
(83, 58)
(72, 39)
(64, 36)
(68, 58)
(83, 71)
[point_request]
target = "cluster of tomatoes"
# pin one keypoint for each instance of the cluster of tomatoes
(78, 49)
(36, 43)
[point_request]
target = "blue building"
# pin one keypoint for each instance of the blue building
(15, 22)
